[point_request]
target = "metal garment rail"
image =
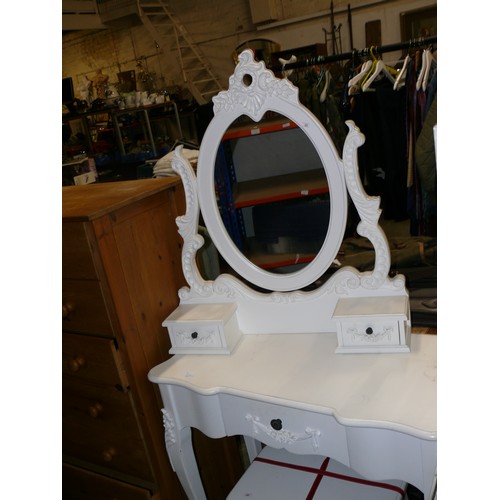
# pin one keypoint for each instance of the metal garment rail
(319, 60)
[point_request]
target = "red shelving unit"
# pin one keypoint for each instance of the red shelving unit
(292, 186)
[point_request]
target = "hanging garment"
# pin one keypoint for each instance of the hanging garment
(421, 186)
(327, 111)
(413, 127)
(431, 88)
(425, 162)
(381, 116)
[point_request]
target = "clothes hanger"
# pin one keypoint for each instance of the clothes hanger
(284, 62)
(372, 67)
(380, 67)
(324, 92)
(400, 79)
(423, 77)
(430, 59)
(364, 71)
(422, 70)
(366, 68)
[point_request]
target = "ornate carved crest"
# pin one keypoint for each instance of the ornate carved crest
(250, 86)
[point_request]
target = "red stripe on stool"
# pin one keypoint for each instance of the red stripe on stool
(318, 479)
(323, 472)
(312, 470)
(376, 484)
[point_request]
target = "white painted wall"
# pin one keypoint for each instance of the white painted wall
(219, 27)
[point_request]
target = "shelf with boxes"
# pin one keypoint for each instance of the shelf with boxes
(115, 136)
(270, 185)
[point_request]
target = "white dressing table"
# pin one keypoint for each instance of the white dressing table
(333, 371)
(375, 413)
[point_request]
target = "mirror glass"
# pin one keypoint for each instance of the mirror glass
(272, 192)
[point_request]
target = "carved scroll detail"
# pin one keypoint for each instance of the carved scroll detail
(368, 208)
(186, 338)
(284, 436)
(373, 338)
(169, 426)
(188, 229)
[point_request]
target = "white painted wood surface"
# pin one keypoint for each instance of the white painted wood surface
(375, 413)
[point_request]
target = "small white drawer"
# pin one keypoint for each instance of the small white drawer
(373, 324)
(203, 329)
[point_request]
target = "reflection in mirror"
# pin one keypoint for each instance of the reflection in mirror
(272, 192)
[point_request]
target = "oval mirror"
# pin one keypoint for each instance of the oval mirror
(249, 96)
(272, 192)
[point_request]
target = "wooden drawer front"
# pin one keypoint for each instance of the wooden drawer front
(77, 261)
(100, 427)
(80, 484)
(84, 309)
(92, 359)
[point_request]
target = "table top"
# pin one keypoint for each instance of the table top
(90, 201)
(395, 391)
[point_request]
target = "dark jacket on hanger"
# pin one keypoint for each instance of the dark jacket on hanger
(381, 116)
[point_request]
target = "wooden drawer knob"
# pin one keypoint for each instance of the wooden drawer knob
(67, 309)
(77, 363)
(95, 410)
(108, 454)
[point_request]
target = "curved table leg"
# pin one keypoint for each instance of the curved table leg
(181, 454)
(253, 447)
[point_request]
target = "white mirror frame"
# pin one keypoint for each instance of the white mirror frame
(265, 93)
(279, 311)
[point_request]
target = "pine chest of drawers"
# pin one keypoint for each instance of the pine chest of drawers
(121, 272)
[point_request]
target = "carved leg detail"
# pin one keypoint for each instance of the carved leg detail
(181, 455)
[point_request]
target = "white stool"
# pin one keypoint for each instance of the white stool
(280, 475)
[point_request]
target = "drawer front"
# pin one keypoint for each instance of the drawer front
(280, 426)
(366, 331)
(77, 261)
(99, 426)
(94, 360)
(196, 335)
(81, 484)
(84, 308)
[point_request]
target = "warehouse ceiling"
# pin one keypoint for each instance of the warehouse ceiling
(80, 15)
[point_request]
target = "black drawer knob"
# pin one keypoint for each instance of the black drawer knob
(369, 330)
(194, 335)
(276, 424)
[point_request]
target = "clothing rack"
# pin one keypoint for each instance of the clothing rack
(356, 53)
